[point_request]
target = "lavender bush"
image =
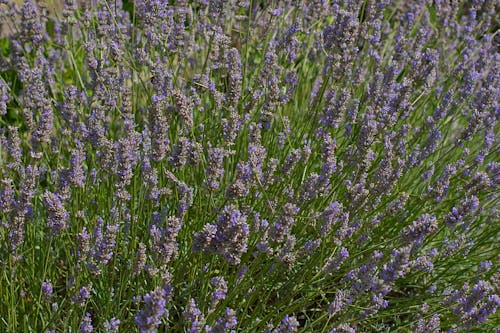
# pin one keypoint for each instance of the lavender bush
(249, 166)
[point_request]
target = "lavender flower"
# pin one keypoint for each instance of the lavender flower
(291, 161)
(14, 148)
(77, 172)
(82, 296)
(86, 324)
(228, 237)
(165, 246)
(194, 316)
(32, 23)
(112, 325)
(330, 216)
(288, 324)
(215, 169)
(311, 246)
(474, 305)
(153, 311)
(234, 78)
(57, 215)
(240, 187)
(439, 190)
(333, 264)
(7, 196)
(83, 239)
(126, 158)
(424, 225)
(185, 151)
(284, 223)
(398, 266)
(224, 323)
(4, 97)
(362, 279)
(140, 262)
(104, 241)
(47, 290)
(338, 303)
(467, 207)
(220, 291)
(430, 325)
(343, 328)
(158, 127)
(183, 108)
(15, 227)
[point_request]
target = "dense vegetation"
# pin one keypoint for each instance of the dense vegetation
(249, 166)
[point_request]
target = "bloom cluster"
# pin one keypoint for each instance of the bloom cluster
(249, 166)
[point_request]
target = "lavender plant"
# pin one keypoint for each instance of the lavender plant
(249, 166)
